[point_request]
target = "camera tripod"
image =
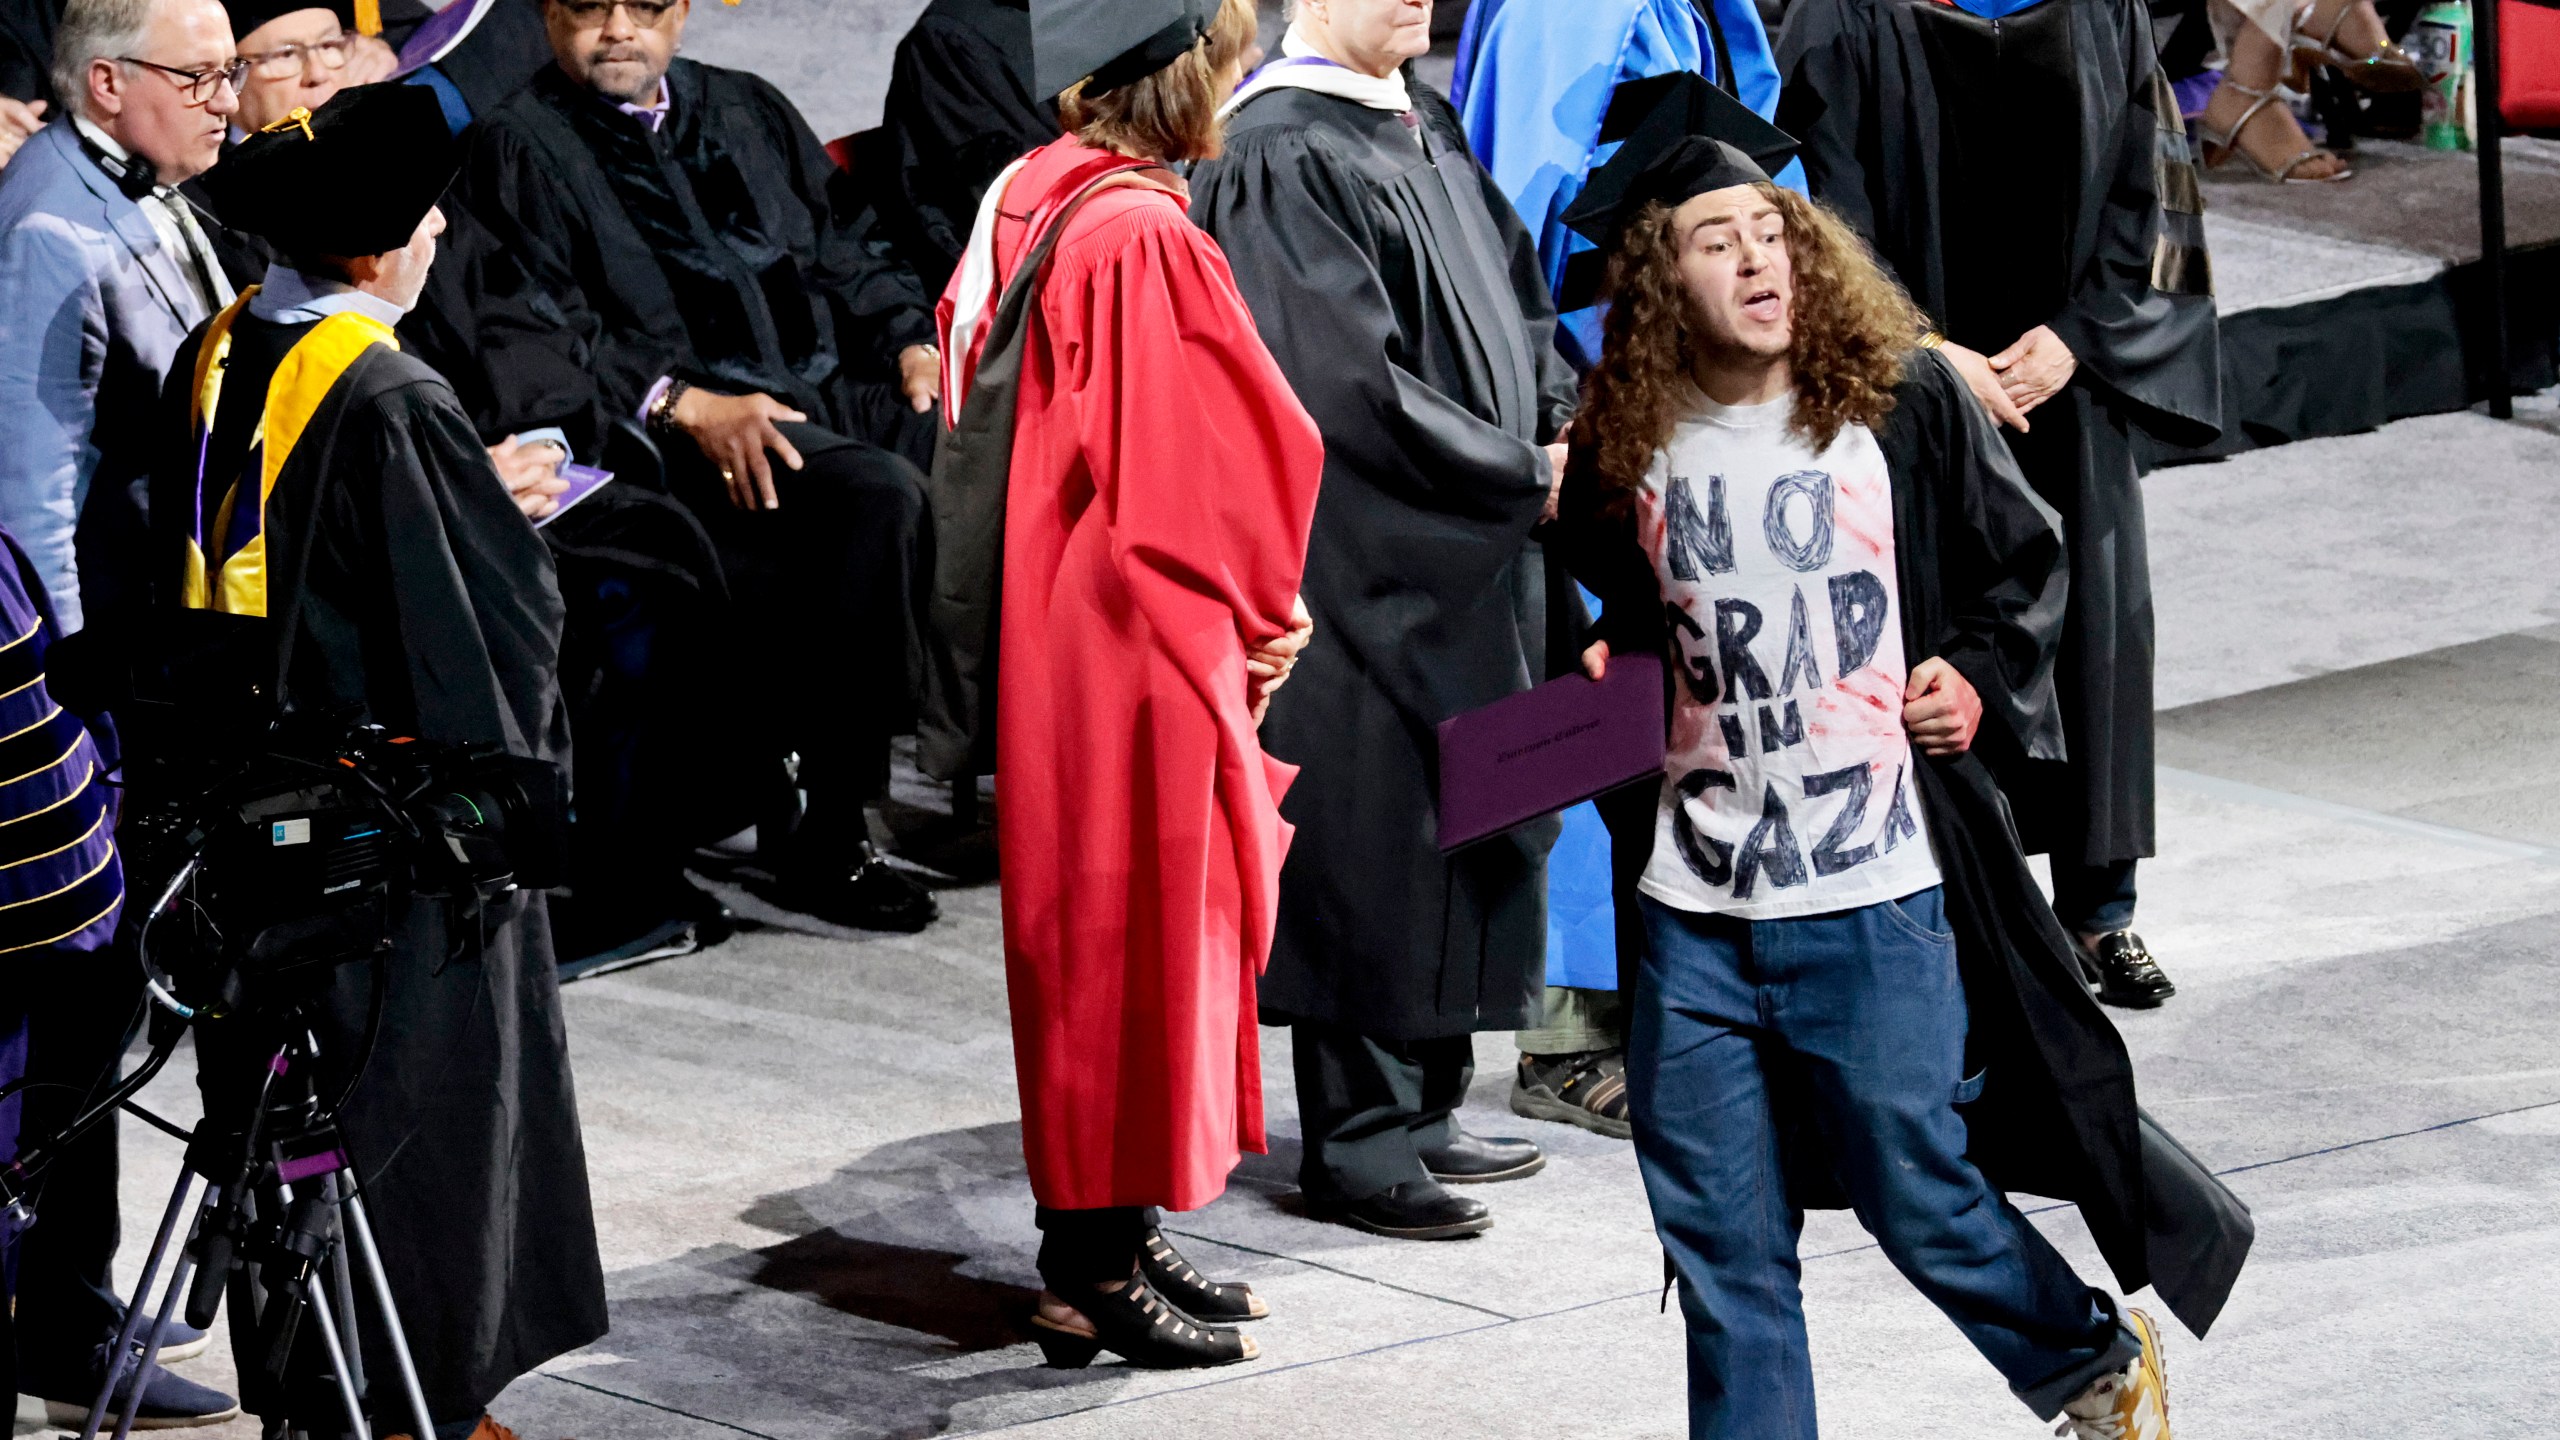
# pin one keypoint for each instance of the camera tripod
(282, 1206)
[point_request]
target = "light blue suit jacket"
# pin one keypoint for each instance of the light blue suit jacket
(92, 307)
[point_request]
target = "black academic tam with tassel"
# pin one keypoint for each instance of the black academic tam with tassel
(351, 178)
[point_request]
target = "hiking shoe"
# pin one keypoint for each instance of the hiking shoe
(2127, 975)
(2133, 1403)
(1588, 1089)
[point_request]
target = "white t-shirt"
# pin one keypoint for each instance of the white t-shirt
(1787, 787)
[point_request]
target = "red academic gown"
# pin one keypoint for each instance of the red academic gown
(1163, 481)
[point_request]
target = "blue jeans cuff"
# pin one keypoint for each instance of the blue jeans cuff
(2047, 1397)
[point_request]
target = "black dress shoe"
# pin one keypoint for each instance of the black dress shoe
(1481, 1159)
(870, 896)
(2127, 975)
(1414, 1210)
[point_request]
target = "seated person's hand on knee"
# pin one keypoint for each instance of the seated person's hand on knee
(1940, 708)
(920, 376)
(532, 474)
(734, 432)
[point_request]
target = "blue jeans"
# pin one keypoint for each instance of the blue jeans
(1861, 1014)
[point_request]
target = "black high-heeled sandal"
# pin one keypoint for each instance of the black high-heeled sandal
(1211, 1302)
(1136, 1324)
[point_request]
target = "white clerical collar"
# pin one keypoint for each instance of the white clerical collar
(1301, 68)
(293, 297)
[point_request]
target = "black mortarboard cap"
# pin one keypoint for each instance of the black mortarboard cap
(1110, 42)
(248, 15)
(1683, 137)
(353, 177)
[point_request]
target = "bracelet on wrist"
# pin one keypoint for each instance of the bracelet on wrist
(662, 415)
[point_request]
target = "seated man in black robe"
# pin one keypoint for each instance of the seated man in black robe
(679, 219)
(402, 583)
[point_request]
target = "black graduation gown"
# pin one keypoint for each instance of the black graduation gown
(1403, 299)
(427, 602)
(715, 250)
(2021, 172)
(1981, 578)
(959, 109)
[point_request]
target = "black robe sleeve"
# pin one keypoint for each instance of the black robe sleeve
(2156, 348)
(1993, 555)
(429, 598)
(1559, 389)
(582, 369)
(880, 307)
(1296, 224)
(511, 353)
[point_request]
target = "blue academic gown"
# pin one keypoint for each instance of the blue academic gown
(1533, 80)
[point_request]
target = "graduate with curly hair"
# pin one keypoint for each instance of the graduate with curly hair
(1854, 993)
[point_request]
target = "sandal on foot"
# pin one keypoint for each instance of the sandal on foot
(1205, 1300)
(1588, 1089)
(1134, 1323)
(2389, 70)
(2221, 145)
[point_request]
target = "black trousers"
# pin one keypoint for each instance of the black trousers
(828, 591)
(1370, 1107)
(1080, 1249)
(81, 1008)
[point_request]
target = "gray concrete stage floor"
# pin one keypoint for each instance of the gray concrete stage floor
(809, 1183)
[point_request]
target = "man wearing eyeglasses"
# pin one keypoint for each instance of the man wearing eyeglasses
(103, 271)
(686, 220)
(299, 54)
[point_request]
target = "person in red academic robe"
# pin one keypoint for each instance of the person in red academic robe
(1161, 485)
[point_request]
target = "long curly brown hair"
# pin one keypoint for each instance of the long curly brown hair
(1853, 328)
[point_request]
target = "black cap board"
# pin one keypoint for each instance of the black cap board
(248, 15)
(1110, 42)
(1682, 137)
(353, 177)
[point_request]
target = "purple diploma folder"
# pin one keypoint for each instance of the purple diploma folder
(1549, 748)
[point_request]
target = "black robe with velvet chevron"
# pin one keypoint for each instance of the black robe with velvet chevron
(1980, 574)
(2030, 171)
(1404, 301)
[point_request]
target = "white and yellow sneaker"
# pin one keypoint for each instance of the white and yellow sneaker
(2132, 1404)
